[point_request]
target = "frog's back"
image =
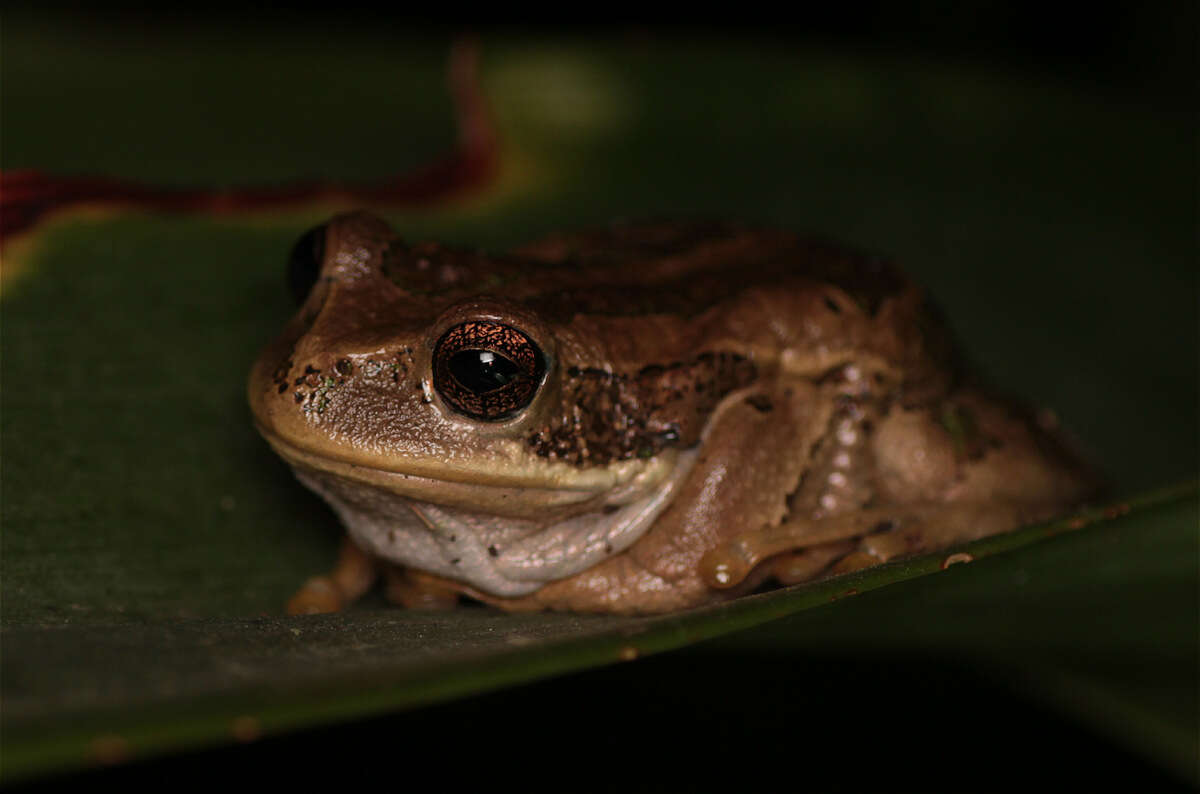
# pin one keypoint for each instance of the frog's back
(685, 268)
(783, 296)
(679, 268)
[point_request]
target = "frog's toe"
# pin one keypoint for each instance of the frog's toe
(801, 566)
(855, 561)
(900, 542)
(413, 591)
(318, 596)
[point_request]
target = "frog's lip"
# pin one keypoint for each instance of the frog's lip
(555, 483)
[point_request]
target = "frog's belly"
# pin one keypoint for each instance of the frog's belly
(501, 556)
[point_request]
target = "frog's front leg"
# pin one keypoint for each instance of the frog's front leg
(856, 540)
(352, 576)
(758, 436)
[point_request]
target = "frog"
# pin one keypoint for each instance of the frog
(636, 418)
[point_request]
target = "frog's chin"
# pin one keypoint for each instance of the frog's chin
(541, 490)
(504, 556)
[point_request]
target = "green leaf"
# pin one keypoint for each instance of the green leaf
(151, 687)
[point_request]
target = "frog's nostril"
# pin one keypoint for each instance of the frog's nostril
(304, 262)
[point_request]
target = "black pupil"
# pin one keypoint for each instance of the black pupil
(482, 371)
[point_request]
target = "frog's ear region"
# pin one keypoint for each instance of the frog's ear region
(304, 262)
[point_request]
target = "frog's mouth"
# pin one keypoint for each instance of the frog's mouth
(503, 555)
(538, 491)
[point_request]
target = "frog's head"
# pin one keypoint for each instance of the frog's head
(446, 364)
(421, 375)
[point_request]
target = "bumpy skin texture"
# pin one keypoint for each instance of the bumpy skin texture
(694, 408)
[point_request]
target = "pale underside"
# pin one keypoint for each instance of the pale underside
(498, 555)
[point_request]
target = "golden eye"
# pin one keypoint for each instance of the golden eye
(487, 370)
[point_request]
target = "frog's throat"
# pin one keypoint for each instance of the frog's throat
(501, 556)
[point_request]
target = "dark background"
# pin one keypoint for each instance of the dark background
(1144, 50)
(701, 718)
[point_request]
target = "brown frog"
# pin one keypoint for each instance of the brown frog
(635, 419)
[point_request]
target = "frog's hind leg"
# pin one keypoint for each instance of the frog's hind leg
(352, 576)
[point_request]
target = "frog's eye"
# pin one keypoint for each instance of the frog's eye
(304, 263)
(487, 370)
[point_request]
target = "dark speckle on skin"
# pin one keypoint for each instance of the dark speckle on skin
(610, 416)
(280, 377)
(492, 550)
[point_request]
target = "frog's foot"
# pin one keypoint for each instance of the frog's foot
(352, 575)
(731, 562)
(414, 590)
(801, 549)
